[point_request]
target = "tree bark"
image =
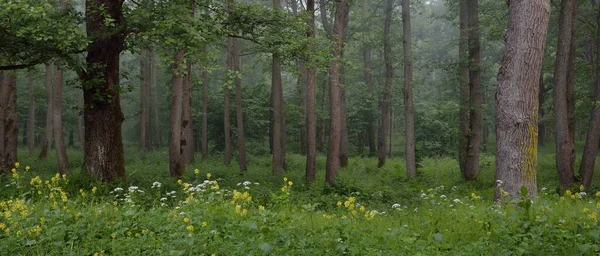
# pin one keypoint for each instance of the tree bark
(239, 114)
(103, 151)
(8, 120)
(187, 140)
(463, 76)
(516, 98)
(586, 169)
(311, 101)
(368, 77)
(48, 134)
(344, 114)
(176, 149)
(475, 95)
(565, 150)
(333, 160)
(204, 112)
(387, 89)
(277, 105)
(145, 77)
(31, 113)
(155, 104)
(411, 163)
(59, 138)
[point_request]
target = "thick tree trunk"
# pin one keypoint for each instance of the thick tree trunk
(59, 138)
(239, 114)
(155, 103)
(344, 114)
(187, 140)
(145, 78)
(411, 163)
(311, 102)
(516, 98)
(387, 89)
(176, 149)
(333, 160)
(31, 113)
(571, 77)
(463, 81)
(586, 170)
(475, 95)
(565, 150)
(204, 112)
(103, 142)
(49, 132)
(8, 120)
(368, 77)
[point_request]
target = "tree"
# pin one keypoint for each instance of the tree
(311, 100)
(586, 170)
(204, 112)
(337, 36)
(277, 105)
(31, 113)
(239, 114)
(387, 90)
(145, 89)
(463, 81)
(155, 104)
(368, 77)
(176, 148)
(516, 98)
(475, 95)
(565, 148)
(409, 112)
(57, 97)
(103, 148)
(188, 144)
(8, 120)
(47, 140)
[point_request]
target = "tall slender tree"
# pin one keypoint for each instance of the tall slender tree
(188, 143)
(277, 105)
(565, 149)
(239, 114)
(463, 81)
(368, 77)
(176, 152)
(517, 98)
(311, 100)
(204, 111)
(145, 77)
(31, 113)
(48, 133)
(409, 112)
(155, 105)
(387, 89)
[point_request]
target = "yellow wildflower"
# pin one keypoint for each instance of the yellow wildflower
(113, 235)
(27, 168)
(186, 220)
(145, 231)
(204, 224)
(190, 228)
(208, 176)
(17, 164)
(196, 171)
(261, 208)
(290, 183)
(94, 190)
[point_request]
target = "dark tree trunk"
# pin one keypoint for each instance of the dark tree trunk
(145, 77)
(59, 138)
(565, 150)
(463, 76)
(344, 114)
(368, 77)
(517, 98)
(176, 149)
(311, 102)
(8, 120)
(571, 77)
(387, 89)
(31, 114)
(187, 140)
(475, 98)
(335, 105)
(103, 117)
(239, 114)
(586, 170)
(277, 105)
(204, 112)
(49, 132)
(411, 163)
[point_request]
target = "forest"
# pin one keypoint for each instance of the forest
(299, 127)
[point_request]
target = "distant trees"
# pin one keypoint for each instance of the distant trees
(387, 90)
(517, 98)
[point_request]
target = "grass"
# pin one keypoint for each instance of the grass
(216, 210)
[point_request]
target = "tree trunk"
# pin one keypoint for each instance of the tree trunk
(226, 118)
(368, 77)
(187, 141)
(176, 149)
(145, 73)
(155, 103)
(47, 140)
(565, 150)
(80, 124)
(323, 133)
(59, 138)
(239, 114)
(516, 98)
(541, 113)
(103, 142)
(204, 112)
(31, 114)
(276, 100)
(586, 170)
(387, 89)
(8, 120)
(475, 121)
(311, 101)
(344, 114)
(463, 76)
(333, 160)
(571, 77)
(391, 132)
(411, 163)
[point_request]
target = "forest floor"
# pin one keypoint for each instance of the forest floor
(214, 210)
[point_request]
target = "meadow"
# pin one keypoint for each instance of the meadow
(214, 210)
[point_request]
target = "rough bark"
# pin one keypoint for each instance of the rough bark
(411, 162)
(204, 112)
(463, 81)
(311, 102)
(277, 105)
(368, 77)
(387, 89)
(571, 77)
(239, 114)
(49, 132)
(31, 113)
(516, 98)
(343, 113)
(103, 150)
(586, 169)
(8, 120)
(565, 150)
(187, 140)
(226, 91)
(59, 138)
(475, 95)
(176, 149)
(155, 105)
(145, 77)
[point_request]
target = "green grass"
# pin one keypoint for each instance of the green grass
(370, 211)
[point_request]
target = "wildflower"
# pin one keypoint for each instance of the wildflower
(17, 165)
(186, 220)
(475, 196)
(290, 183)
(581, 195)
(204, 224)
(285, 179)
(94, 190)
(156, 184)
(395, 206)
(196, 171)
(568, 192)
(113, 235)
(27, 168)
(598, 194)
(118, 189)
(499, 183)
(457, 201)
(208, 176)
(261, 208)
(246, 183)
